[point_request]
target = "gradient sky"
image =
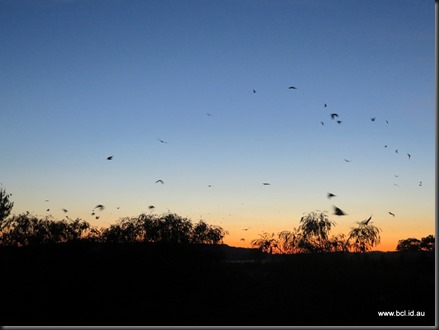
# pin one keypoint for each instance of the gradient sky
(82, 80)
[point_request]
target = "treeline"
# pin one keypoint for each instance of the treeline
(26, 229)
(313, 234)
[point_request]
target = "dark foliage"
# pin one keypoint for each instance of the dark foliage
(425, 244)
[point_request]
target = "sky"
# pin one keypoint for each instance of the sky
(84, 80)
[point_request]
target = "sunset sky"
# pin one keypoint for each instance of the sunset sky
(83, 80)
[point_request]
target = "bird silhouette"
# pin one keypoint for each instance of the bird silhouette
(161, 141)
(325, 105)
(347, 160)
(48, 210)
(338, 121)
(151, 207)
(372, 119)
(396, 151)
(385, 146)
(331, 195)
(109, 157)
(246, 228)
(266, 183)
(292, 87)
(99, 206)
(159, 181)
(334, 115)
(338, 211)
(420, 183)
(322, 123)
(365, 222)
(242, 239)
(387, 121)
(65, 211)
(409, 155)
(254, 91)
(392, 214)
(208, 114)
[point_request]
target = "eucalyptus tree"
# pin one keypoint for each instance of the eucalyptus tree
(202, 233)
(315, 228)
(364, 237)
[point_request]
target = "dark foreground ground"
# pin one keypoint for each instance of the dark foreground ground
(83, 285)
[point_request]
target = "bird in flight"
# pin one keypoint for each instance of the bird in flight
(391, 214)
(325, 105)
(387, 121)
(409, 155)
(338, 121)
(208, 114)
(266, 183)
(396, 150)
(48, 210)
(242, 239)
(331, 195)
(65, 211)
(365, 222)
(151, 207)
(334, 115)
(254, 91)
(372, 119)
(246, 228)
(347, 160)
(385, 146)
(99, 206)
(161, 141)
(292, 87)
(338, 211)
(322, 123)
(109, 157)
(159, 181)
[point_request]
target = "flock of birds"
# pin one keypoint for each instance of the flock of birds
(337, 210)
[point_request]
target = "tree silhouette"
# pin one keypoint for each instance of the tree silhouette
(202, 233)
(415, 245)
(5, 206)
(364, 237)
(26, 229)
(315, 228)
(409, 245)
(166, 228)
(339, 243)
(427, 243)
(266, 242)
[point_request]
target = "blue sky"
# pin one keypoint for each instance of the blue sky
(83, 80)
